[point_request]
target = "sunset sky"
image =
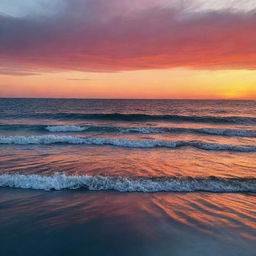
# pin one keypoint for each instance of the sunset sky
(128, 49)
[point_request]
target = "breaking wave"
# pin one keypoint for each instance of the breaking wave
(128, 143)
(150, 130)
(121, 129)
(122, 184)
(139, 117)
(66, 128)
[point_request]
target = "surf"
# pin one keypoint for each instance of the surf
(129, 129)
(124, 184)
(127, 143)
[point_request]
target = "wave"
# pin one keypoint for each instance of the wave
(153, 130)
(14, 127)
(128, 143)
(122, 184)
(66, 128)
(120, 129)
(139, 117)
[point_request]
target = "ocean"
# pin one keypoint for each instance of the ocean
(127, 177)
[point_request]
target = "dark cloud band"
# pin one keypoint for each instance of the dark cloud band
(100, 36)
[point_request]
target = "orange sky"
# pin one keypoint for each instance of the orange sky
(129, 49)
(172, 83)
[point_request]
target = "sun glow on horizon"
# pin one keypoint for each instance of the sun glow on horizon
(158, 84)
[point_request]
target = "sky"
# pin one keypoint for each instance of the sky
(195, 49)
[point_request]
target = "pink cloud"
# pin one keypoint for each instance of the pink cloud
(95, 36)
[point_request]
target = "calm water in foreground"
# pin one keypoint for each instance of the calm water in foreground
(127, 177)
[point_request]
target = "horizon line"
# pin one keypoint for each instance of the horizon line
(242, 99)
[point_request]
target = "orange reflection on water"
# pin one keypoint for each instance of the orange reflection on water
(210, 212)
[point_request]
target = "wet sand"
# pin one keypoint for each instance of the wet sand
(80, 222)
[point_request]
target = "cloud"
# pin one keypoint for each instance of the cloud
(21, 8)
(16, 72)
(109, 36)
(78, 79)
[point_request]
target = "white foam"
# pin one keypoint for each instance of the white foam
(210, 131)
(122, 184)
(66, 128)
(144, 130)
(228, 132)
(129, 143)
(149, 130)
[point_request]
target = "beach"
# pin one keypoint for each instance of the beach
(111, 223)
